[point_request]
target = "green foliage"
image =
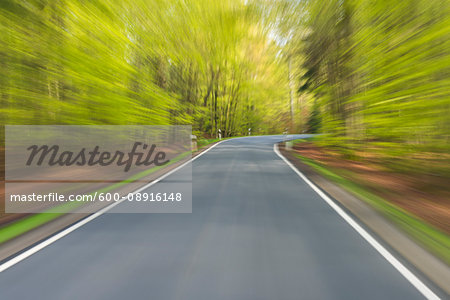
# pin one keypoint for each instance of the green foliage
(373, 76)
(314, 121)
(379, 72)
(207, 63)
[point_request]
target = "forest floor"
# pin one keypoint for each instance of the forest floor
(425, 196)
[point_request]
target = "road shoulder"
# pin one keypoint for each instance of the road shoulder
(434, 270)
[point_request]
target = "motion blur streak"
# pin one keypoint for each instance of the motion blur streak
(371, 77)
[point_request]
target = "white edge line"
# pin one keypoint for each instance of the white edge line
(77, 225)
(419, 285)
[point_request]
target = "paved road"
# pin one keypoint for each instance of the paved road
(257, 231)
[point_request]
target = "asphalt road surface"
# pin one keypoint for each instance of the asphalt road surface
(256, 231)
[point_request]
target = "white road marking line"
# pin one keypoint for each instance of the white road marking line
(419, 285)
(77, 225)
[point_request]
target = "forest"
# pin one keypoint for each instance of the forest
(371, 76)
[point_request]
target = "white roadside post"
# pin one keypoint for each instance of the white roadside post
(193, 142)
(289, 143)
(220, 134)
(249, 131)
